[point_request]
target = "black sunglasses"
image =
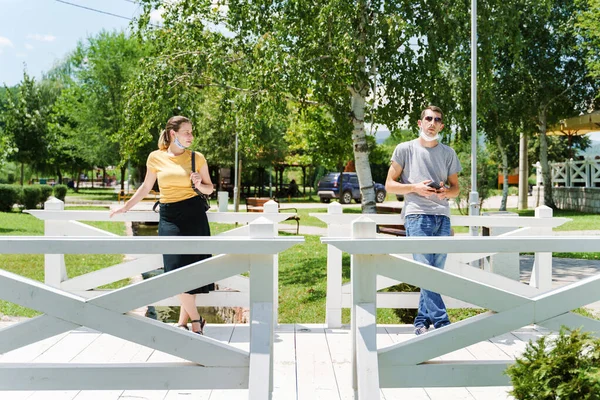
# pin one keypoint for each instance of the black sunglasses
(429, 118)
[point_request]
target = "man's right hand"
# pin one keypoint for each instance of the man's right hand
(422, 188)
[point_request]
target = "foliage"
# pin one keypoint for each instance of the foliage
(566, 368)
(31, 197)
(25, 122)
(9, 196)
(60, 191)
(89, 119)
(46, 192)
(560, 148)
(487, 176)
(589, 23)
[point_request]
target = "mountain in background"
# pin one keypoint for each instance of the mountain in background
(593, 150)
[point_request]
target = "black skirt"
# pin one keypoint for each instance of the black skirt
(184, 218)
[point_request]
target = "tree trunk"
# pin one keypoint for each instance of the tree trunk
(361, 152)
(546, 173)
(123, 170)
(78, 179)
(523, 173)
(504, 158)
(59, 177)
(22, 173)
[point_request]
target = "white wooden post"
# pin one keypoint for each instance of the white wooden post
(505, 264)
(588, 172)
(263, 291)
(55, 270)
(333, 303)
(271, 207)
(365, 368)
(541, 273)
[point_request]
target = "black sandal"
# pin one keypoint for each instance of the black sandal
(202, 322)
(183, 327)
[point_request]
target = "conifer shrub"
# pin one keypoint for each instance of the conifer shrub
(31, 197)
(565, 368)
(60, 191)
(9, 196)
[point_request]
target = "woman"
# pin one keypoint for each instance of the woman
(182, 211)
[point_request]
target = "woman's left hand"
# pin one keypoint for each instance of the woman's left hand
(197, 179)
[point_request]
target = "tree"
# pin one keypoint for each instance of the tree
(93, 110)
(334, 54)
(554, 76)
(589, 22)
(25, 122)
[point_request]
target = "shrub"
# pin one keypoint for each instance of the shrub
(46, 192)
(567, 368)
(31, 197)
(60, 191)
(9, 195)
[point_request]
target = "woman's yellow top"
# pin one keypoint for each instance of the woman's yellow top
(173, 174)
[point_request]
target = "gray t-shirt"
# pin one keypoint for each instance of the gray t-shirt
(422, 163)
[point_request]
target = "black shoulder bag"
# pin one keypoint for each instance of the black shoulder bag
(203, 197)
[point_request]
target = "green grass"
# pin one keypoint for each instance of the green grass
(96, 194)
(303, 285)
(32, 265)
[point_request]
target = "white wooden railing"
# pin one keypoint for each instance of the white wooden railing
(504, 266)
(60, 222)
(512, 305)
(585, 173)
(211, 364)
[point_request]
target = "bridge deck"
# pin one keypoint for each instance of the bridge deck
(311, 362)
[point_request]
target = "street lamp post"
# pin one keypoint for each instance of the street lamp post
(474, 195)
(236, 202)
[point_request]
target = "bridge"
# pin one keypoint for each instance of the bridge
(88, 344)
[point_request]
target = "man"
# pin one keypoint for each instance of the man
(429, 177)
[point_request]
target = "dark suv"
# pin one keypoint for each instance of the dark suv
(330, 187)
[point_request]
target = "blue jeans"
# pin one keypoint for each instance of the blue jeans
(432, 310)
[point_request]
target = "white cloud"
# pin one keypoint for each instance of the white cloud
(28, 46)
(5, 42)
(41, 38)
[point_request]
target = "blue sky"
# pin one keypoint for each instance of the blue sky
(41, 32)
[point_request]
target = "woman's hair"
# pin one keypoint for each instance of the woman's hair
(173, 123)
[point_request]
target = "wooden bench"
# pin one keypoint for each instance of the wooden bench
(256, 204)
(124, 196)
(396, 230)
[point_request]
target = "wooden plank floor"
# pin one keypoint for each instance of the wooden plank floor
(311, 362)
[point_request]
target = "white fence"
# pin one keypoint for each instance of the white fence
(512, 305)
(58, 222)
(211, 363)
(505, 267)
(584, 173)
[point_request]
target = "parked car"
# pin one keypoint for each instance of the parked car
(331, 187)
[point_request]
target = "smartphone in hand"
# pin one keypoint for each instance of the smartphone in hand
(434, 185)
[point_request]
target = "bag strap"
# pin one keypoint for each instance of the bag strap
(193, 170)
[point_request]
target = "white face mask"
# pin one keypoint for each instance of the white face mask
(178, 143)
(428, 138)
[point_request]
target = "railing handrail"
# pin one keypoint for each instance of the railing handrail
(455, 220)
(149, 216)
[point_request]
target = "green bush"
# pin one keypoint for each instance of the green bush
(46, 192)
(567, 368)
(9, 195)
(60, 191)
(31, 197)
